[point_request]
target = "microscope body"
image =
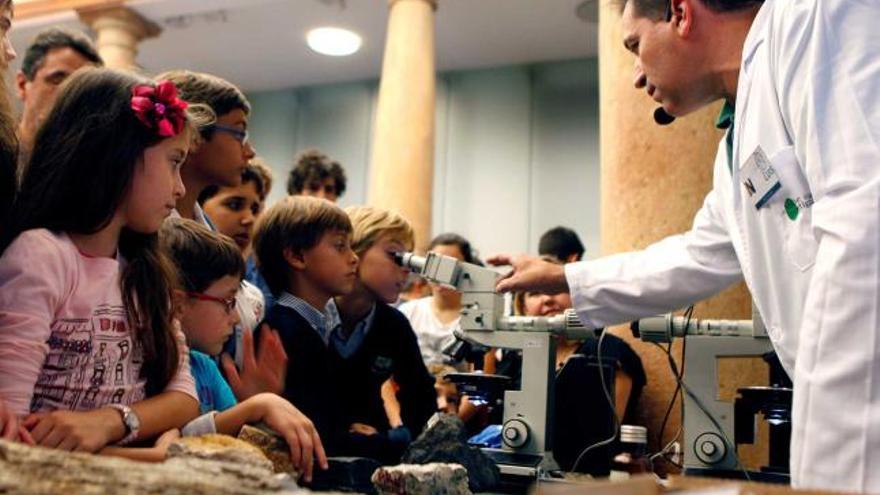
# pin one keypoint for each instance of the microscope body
(527, 432)
(706, 451)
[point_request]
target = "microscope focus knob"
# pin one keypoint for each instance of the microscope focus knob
(515, 433)
(710, 448)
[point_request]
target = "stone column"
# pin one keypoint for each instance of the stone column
(654, 180)
(119, 31)
(402, 165)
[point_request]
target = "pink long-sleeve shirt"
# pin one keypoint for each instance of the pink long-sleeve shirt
(65, 342)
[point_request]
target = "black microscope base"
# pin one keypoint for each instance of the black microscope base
(761, 476)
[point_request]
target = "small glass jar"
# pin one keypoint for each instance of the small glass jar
(632, 458)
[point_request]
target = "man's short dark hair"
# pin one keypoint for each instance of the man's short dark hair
(54, 38)
(656, 9)
(314, 166)
(561, 242)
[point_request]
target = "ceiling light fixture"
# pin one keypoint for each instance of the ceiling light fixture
(335, 42)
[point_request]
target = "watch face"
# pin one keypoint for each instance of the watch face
(132, 421)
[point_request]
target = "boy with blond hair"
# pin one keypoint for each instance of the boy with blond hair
(376, 347)
(303, 248)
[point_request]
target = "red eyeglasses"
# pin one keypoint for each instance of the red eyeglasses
(228, 304)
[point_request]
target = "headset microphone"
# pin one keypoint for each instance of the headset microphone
(662, 118)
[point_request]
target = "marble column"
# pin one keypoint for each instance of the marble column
(402, 164)
(119, 31)
(653, 181)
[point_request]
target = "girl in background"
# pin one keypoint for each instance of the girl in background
(435, 318)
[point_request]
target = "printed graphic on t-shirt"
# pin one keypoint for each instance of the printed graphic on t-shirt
(90, 363)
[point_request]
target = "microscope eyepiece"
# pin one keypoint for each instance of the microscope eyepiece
(399, 258)
(411, 261)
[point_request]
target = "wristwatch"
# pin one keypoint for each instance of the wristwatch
(131, 422)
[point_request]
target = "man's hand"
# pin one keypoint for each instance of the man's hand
(298, 430)
(264, 372)
(530, 274)
(75, 431)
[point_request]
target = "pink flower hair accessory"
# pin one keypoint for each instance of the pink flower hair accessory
(159, 108)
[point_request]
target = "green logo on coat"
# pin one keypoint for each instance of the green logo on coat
(791, 209)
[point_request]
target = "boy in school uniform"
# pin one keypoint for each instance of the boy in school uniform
(389, 391)
(303, 248)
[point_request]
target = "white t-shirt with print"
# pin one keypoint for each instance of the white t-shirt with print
(432, 334)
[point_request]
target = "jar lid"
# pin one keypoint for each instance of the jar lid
(633, 434)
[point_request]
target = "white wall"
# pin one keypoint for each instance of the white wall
(516, 148)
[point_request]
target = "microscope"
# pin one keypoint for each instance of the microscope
(526, 431)
(710, 442)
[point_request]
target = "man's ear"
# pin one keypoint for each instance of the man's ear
(295, 258)
(683, 16)
(20, 84)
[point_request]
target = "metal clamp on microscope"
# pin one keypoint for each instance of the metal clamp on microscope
(710, 443)
(526, 432)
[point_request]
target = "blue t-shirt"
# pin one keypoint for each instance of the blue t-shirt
(214, 392)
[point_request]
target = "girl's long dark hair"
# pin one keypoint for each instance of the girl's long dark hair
(80, 171)
(8, 150)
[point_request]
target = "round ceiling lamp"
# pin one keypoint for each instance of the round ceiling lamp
(335, 42)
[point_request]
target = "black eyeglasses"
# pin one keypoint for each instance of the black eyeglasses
(240, 135)
(669, 11)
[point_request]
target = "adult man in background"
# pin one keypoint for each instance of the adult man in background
(51, 58)
(562, 243)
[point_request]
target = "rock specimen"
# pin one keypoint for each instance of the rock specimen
(215, 447)
(28, 470)
(272, 445)
(422, 479)
(446, 442)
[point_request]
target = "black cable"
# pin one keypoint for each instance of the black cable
(679, 373)
(677, 394)
(616, 431)
(682, 386)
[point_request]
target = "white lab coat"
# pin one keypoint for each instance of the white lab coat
(809, 97)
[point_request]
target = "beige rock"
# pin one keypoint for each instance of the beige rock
(216, 447)
(271, 445)
(37, 471)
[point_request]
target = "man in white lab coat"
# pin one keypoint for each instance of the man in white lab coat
(795, 205)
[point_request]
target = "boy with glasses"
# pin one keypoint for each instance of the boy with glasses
(210, 270)
(224, 151)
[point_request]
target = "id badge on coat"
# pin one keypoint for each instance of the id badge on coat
(759, 178)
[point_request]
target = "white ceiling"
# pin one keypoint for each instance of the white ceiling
(260, 44)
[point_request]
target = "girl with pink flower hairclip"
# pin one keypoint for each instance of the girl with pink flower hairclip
(89, 356)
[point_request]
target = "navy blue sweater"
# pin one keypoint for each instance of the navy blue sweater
(335, 392)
